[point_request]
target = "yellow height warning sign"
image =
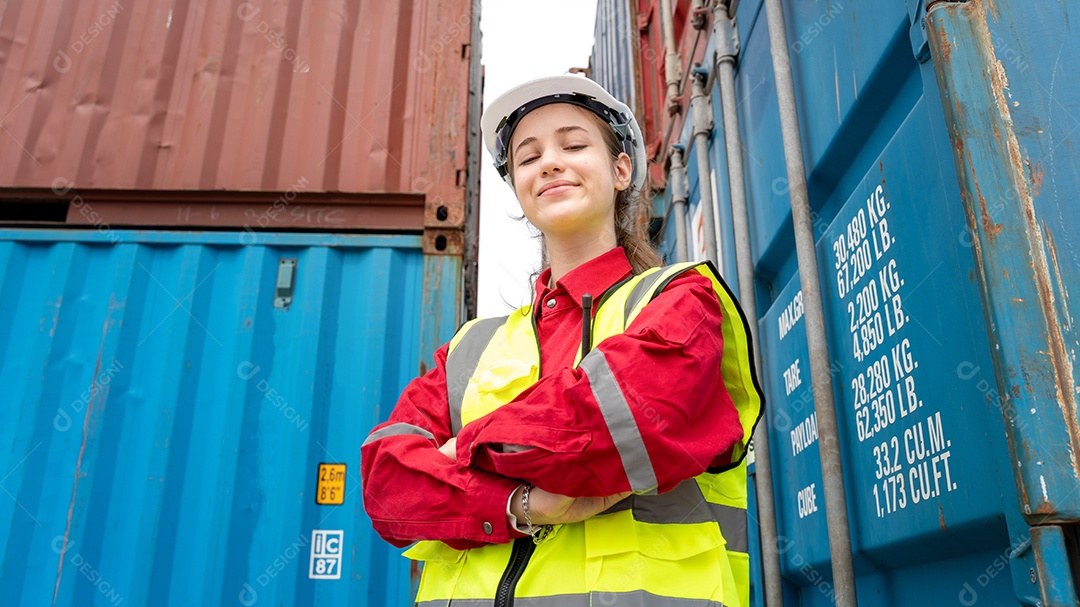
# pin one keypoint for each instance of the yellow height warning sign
(330, 490)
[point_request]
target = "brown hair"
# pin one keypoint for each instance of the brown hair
(632, 213)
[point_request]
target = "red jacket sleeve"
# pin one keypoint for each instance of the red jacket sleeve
(412, 492)
(644, 411)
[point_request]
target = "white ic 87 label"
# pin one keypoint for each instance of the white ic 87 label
(326, 548)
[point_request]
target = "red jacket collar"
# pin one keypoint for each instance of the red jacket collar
(593, 277)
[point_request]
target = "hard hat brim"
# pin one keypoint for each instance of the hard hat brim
(497, 113)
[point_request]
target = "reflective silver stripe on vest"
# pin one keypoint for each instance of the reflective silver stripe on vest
(620, 423)
(732, 521)
(396, 429)
(636, 598)
(461, 364)
(640, 289)
(683, 505)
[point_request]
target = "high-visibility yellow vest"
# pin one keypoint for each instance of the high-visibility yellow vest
(649, 549)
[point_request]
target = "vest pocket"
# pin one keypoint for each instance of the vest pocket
(431, 550)
(442, 570)
(623, 555)
(496, 385)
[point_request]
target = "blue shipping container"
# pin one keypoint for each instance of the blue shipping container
(940, 155)
(171, 397)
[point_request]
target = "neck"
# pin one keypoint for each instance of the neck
(566, 254)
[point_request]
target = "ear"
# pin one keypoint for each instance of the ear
(624, 170)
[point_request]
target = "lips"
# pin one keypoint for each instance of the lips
(556, 187)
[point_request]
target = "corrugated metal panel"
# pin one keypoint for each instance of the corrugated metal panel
(613, 58)
(917, 273)
(228, 96)
(164, 421)
(629, 52)
(924, 452)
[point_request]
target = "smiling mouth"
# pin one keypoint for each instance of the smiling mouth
(556, 189)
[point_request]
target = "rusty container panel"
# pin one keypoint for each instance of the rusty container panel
(1012, 108)
(222, 97)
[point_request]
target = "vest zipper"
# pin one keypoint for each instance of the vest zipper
(524, 546)
(519, 557)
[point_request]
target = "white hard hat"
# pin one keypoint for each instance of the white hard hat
(502, 117)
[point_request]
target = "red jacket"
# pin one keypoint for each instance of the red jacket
(667, 364)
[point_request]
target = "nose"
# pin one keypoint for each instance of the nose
(551, 162)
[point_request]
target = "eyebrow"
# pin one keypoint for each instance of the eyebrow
(560, 130)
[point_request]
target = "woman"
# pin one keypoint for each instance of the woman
(572, 453)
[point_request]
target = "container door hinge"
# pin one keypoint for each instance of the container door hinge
(1055, 551)
(286, 280)
(726, 33)
(920, 46)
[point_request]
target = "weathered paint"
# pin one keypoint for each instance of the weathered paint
(1053, 567)
(164, 421)
(227, 97)
(1010, 127)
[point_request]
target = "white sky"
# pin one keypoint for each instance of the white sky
(521, 41)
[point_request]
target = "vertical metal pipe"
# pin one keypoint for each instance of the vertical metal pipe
(473, 155)
(679, 195)
(726, 52)
(702, 109)
(672, 60)
(813, 313)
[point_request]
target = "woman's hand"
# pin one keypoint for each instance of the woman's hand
(547, 508)
(449, 449)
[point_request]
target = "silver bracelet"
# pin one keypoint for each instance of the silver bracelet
(538, 533)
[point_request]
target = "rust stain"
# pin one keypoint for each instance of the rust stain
(1037, 175)
(1015, 179)
(1057, 274)
(969, 213)
(1045, 508)
(992, 229)
(941, 518)
(1064, 383)
(944, 46)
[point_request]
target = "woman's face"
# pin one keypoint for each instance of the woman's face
(564, 175)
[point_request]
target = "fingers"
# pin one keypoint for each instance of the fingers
(611, 500)
(449, 449)
(574, 510)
